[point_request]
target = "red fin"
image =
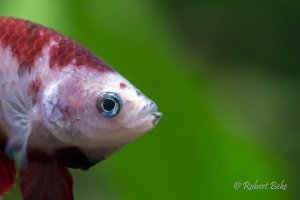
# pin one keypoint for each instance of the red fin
(7, 173)
(45, 179)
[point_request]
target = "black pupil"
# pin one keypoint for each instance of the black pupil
(109, 104)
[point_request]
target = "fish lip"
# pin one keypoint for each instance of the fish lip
(152, 110)
(157, 116)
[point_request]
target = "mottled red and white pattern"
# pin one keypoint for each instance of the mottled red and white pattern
(49, 88)
(27, 40)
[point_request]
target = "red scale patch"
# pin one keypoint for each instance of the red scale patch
(27, 40)
(123, 85)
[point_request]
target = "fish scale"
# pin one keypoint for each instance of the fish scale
(27, 39)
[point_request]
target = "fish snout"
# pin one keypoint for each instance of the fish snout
(153, 111)
(157, 116)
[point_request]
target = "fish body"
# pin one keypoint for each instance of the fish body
(60, 106)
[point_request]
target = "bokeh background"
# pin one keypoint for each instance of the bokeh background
(224, 73)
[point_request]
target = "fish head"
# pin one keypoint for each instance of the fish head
(114, 110)
(107, 111)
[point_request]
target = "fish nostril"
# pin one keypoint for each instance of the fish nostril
(152, 107)
(138, 93)
(148, 106)
(151, 104)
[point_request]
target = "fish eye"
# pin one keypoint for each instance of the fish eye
(109, 104)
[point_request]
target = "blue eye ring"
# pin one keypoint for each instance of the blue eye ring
(109, 104)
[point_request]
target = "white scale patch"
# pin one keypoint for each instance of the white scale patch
(16, 102)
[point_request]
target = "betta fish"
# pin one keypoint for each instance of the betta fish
(61, 107)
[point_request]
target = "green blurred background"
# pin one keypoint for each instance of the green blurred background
(224, 73)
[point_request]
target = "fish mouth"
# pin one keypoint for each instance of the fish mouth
(153, 111)
(157, 116)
